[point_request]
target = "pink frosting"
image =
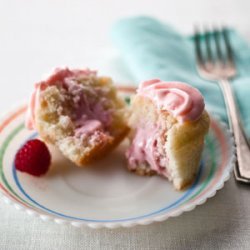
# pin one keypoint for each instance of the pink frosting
(88, 115)
(184, 102)
(30, 114)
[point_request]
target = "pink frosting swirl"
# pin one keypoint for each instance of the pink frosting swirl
(181, 100)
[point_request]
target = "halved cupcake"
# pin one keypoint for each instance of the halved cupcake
(78, 112)
(168, 124)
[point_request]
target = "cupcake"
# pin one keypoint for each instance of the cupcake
(168, 126)
(78, 112)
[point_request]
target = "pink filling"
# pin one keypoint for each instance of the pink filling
(88, 127)
(144, 150)
(87, 114)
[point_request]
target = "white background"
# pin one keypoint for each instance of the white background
(36, 36)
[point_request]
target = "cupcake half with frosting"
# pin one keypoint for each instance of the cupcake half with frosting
(79, 112)
(168, 126)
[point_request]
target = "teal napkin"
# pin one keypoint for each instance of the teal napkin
(152, 49)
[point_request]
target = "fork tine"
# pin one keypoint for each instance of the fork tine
(229, 50)
(216, 34)
(198, 51)
(207, 35)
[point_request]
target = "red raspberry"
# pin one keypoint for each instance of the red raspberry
(33, 158)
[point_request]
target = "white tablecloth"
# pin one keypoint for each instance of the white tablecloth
(38, 35)
(221, 223)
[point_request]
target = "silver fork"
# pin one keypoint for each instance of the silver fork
(218, 65)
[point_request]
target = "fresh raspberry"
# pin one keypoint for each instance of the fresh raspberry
(33, 158)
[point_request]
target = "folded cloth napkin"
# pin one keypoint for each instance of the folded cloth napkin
(155, 50)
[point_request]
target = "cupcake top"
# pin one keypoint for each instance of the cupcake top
(59, 76)
(181, 100)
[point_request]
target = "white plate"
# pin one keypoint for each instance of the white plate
(107, 195)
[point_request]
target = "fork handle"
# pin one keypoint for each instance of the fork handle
(242, 167)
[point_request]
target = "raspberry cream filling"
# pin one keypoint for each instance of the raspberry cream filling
(146, 149)
(180, 100)
(87, 115)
